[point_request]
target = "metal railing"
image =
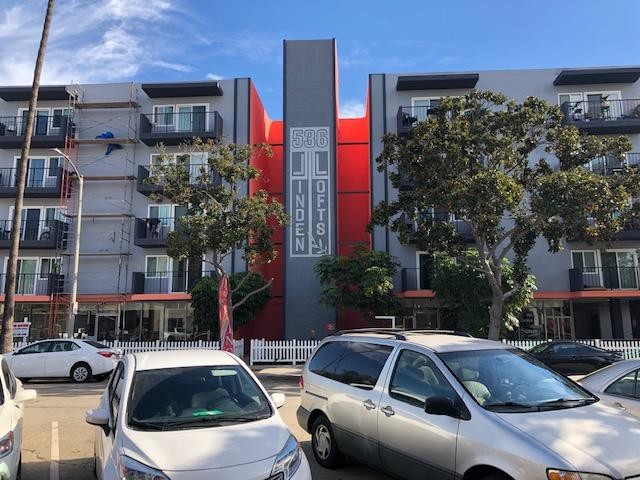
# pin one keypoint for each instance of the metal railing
(146, 171)
(154, 228)
(37, 177)
(188, 123)
(601, 278)
(408, 117)
(33, 230)
(603, 109)
(161, 281)
(608, 165)
(45, 125)
(416, 279)
(36, 283)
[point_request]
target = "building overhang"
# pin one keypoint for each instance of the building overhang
(437, 82)
(47, 92)
(182, 89)
(594, 76)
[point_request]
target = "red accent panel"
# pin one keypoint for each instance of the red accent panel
(353, 168)
(353, 215)
(274, 270)
(267, 323)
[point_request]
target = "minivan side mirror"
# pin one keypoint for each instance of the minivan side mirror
(98, 417)
(442, 406)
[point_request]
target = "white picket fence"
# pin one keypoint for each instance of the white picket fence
(630, 348)
(281, 351)
(136, 347)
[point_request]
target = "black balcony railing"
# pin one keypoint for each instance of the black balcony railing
(49, 131)
(604, 278)
(47, 234)
(408, 117)
(36, 283)
(177, 281)
(41, 182)
(604, 115)
(610, 165)
(175, 128)
(146, 187)
(152, 232)
(416, 279)
(462, 228)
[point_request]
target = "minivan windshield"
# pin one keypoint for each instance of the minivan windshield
(194, 397)
(512, 380)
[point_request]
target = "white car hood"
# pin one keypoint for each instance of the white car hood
(207, 448)
(595, 438)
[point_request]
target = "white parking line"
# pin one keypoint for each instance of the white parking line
(54, 469)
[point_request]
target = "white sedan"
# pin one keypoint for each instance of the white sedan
(12, 397)
(192, 415)
(80, 360)
(618, 385)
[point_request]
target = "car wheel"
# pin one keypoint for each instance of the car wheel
(81, 373)
(323, 444)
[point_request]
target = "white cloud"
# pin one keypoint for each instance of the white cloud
(352, 109)
(90, 40)
(214, 76)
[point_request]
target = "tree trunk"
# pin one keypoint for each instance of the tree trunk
(6, 337)
(495, 316)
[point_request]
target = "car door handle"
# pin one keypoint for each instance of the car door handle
(369, 405)
(388, 411)
(619, 405)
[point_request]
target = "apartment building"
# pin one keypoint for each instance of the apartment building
(323, 170)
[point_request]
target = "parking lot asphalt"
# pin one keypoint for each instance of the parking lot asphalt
(58, 444)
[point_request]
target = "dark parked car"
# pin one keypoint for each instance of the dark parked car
(573, 358)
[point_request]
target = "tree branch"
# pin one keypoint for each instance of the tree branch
(239, 286)
(251, 294)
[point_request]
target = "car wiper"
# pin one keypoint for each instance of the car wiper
(515, 405)
(213, 420)
(146, 425)
(562, 402)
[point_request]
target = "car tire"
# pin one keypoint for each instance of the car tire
(497, 476)
(101, 377)
(323, 444)
(80, 373)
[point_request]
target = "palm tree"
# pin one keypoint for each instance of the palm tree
(6, 337)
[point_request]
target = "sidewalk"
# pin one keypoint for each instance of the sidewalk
(278, 370)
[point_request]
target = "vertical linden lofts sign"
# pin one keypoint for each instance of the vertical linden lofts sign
(310, 191)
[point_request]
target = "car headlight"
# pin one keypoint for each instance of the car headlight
(564, 475)
(131, 470)
(288, 460)
(6, 444)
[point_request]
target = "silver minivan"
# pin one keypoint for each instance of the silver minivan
(427, 405)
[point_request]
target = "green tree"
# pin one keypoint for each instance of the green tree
(361, 281)
(465, 296)
(482, 158)
(204, 300)
(207, 178)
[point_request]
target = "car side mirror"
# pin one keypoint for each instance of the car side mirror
(442, 406)
(278, 399)
(98, 417)
(24, 395)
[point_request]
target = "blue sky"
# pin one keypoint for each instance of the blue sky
(157, 40)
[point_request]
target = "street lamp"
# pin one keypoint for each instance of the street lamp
(76, 254)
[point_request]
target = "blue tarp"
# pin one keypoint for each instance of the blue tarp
(112, 146)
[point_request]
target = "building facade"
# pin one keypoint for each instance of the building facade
(323, 169)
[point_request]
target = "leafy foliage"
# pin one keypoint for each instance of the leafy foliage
(204, 300)
(482, 158)
(465, 296)
(361, 281)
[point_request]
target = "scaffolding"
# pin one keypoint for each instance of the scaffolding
(60, 298)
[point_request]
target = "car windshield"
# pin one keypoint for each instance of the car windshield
(512, 380)
(193, 397)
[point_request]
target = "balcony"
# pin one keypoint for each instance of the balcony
(41, 182)
(611, 165)
(415, 279)
(460, 227)
(408, 117)
(152, 232)
(36, 283)
(604, 278)
(176, 281)
(177, 128)
(49, 131)
(147, 188)
(630, 231)
(603, 116)
(45, 234)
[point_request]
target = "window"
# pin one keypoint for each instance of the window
(9, 379)
(584, 261)
(157, 267)
(41, 347)
(48, 266)
(416, 378)
(115, 393)
(59, 115)
(64, 347)
(163, 115)
(627, 386)
(539, 348)
(423, 107)
(356, 363)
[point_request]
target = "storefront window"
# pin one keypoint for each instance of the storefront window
(152, 320)
(131, 322)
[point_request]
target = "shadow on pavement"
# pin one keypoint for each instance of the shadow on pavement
(71, 469)
(352, 470)
(62, 388)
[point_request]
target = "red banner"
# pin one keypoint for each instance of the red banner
(226, 329)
